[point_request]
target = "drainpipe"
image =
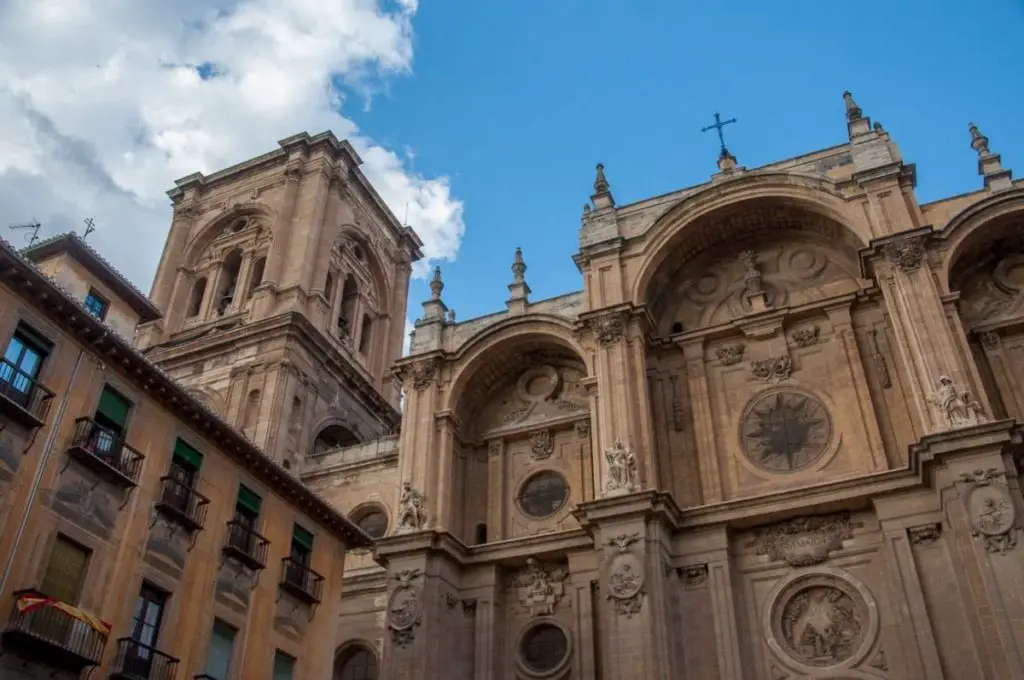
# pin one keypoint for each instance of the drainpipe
(47, 450)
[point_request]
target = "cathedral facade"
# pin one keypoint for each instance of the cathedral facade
(773, 437)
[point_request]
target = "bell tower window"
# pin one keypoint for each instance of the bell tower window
(349, 297)
(229, 279)
(365, 334)
(195, 303)
(257, 274)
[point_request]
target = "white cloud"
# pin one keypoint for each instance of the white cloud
(104, 104)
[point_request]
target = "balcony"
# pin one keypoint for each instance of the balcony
(105, 453)
(301, 582)
(182, 504)
(22, 397)
(246, 546)
(136, 661)
(53, 634)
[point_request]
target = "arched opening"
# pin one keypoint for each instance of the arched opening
(372, 520)
(228, 280)
(195, 302)
(333, 437)
(356, 663)
(365, 333)
(251, 412)
(349, 297)
(257, 275)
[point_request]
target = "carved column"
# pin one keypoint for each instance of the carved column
(483, 605)
(703, 421)
(444, 474)
(418, 459)
(496, 488)
(242, 283)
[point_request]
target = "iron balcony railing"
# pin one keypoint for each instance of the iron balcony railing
(182, 503)
(106, 452)
(136, 661)
(301, 581)
(246, 545)
(31, 398)
(52, 636)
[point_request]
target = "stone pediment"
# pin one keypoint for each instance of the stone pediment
(540, 394)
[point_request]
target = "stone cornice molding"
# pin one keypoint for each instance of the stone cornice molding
(645, 505)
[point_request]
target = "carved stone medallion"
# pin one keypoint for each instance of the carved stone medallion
(404, 607)
(820, 621)
(625, 576)
(992, 513)
(785, 431)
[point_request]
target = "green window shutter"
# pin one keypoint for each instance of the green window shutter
(249, 499)
(113, 407)
(302, 538)
(185, 454)
(284, 666)
(222, 644)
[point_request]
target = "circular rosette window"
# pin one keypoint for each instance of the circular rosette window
(785, 431)
(543, 494)
(543, 650)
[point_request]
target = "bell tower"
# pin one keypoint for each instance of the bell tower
(283, 284)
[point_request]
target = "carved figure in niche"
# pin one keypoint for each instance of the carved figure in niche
(752, 277)
(411, 515)
(958, 409)
(785, 431)
(822, 625)
(623, 473)
(541, 588)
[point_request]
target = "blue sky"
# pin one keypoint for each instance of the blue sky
(516, 102)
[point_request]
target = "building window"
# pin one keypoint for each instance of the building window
(195, 303)
(257, 274)
(149, 614)
(65, 570)
(247, 507)
(23, 359)
(184, 473)
(544, 648)
(356, 664)
(111, 419)
(222, 646)
(284, 666)
(250, 412)
(228, 281)
(96, 305)
(333, 437)
(543, 494)
(302, 545)
(481, 533)
(365, 333)
(374, 523)
(349, 298)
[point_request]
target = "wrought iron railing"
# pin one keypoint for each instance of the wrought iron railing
(246, 545)
(183, 503)
(136, 661)
(52, 635)
(301, 581)
(108, 448)
(24, 390)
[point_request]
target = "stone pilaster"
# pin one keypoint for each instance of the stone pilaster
(185, 213)
(283, 227)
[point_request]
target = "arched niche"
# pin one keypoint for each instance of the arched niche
(242, 226)
(355, 660)
(332, 437)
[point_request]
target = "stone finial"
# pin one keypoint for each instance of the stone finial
(990, 165)
(853, 112)
(519, 290)
(979, 142)
(518, 266)
(726, 161)
(602, 197)
(436, 284)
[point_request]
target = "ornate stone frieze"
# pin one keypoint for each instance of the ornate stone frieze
(805, 337)
(625, 576)
(925, 534)
(957, 408)
(695, 576)
(804, 541)
(412, 512)
(731, 354)
(403, 614)
(773, 369)
(993, 515)
(881, 366)
(623, 472)
(608, 329)
(906, 253)
(542, 444)
(540, 587)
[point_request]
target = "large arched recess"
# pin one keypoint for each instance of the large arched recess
(206, 234)
(714, 215)
(973, 232)
(331, 236)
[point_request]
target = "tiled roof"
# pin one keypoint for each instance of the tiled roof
(21, 273)
(72, 243)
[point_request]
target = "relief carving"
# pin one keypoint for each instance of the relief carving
(541, 587)
(412, 513)
(990, 340)
(623, 473)
(582, 429)
(994, 288)
(878, 661)
(404, 607)
(957, 409)
(542, 444)
(992, 513)
(925, 535)
(805, 337)
(785, 431)
(423, 373)
(677, 405)
(804, 541)
(695, 576)
(625, 576)
(541, 393)
(822, 624)
(773, 369)
(731, 354)
(609, 328)
(906, 253)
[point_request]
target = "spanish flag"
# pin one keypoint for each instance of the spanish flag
(32, 601)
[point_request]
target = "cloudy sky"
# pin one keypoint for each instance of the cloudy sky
(481, 118)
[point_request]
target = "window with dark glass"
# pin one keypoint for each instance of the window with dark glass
(65, 570)
(96, 305)
(284, 666)
(247, 507)
(358, 664)
(185, 464)
(374, 523)
(543, 494)
(222, 646)
(111, 418)
(23, 359)
(544, 648)
(302, 545)
(145, 631)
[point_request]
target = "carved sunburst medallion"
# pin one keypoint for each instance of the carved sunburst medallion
(785, 431)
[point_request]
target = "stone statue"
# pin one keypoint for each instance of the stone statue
(411, 514)
(623, 472)
(959, 409)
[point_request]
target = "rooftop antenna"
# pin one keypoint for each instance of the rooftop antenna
(33, 226)
(90, 226)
